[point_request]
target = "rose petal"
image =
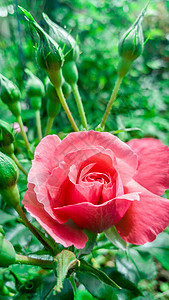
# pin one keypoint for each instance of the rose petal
(153, 167)
(96, 218)
(145, 218)
(126, 158)
(65, 234)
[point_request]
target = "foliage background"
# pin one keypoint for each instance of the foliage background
(142, 102)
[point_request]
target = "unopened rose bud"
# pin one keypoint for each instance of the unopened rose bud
(6, 138)
(49, 54)
(70, 72)
(53, 105)
(35, 90)
(7, 253)
(10, 95)
(131, 45)
(64, 39)
(8, 179)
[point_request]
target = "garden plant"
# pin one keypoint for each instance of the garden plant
(84, 212)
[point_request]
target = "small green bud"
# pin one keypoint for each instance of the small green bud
(35, 90)
(49, 54)
(10, 95)
(66, 89)
(70, 72)
(8, 171)
(131, 45)
(53, 105)
(7, 253)
(6, 134)
(8, 179)
(64, 39)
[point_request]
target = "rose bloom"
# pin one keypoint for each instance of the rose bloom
(93, 181)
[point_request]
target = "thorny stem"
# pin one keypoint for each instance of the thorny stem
(79, 104)
(18, 164)
(66, 108)
(32, 228)
(19, 119)
(38, 124)
(110, 103)
(26, 260)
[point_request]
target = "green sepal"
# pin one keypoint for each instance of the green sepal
(64, 39)
(53, 109)
(70, 72)
(132, 42)
(6, 134)
(15, 108)
(11, 195)
(115, 238)
(65, 260)
(8, 172)
(66, 88)
(9, 92)
(7, 253)
(49, 54)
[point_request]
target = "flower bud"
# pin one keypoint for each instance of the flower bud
(131, 45)
(10, 95)
(35, 90)
(8, 179)
(6, 134)
(7, 253)
(6, 138)
(64, 39)
(49, 54)
(53, 105)
(70, 72)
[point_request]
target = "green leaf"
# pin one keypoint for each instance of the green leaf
(65, 261)
(159, 249)
(90, 243)
(86, 268)
(135, 266)
(5, 217)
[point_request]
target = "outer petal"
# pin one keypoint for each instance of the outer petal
(96, 218)
(126, 158)
(65, 234)
(153, 167)
(145, 218)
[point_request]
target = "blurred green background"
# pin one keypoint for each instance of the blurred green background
(143, 98)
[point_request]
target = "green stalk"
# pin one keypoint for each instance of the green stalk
(110, 103)
(66, 108)
(38, 124)
(18, 164)
(49, 126)
(19, 119)
(26, 260)
(79, 104)
(32, 228)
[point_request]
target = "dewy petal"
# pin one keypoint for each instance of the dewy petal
(153, 166)
(96, 218)
(145, 218)
(65, 234)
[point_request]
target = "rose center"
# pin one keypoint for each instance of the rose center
(96, 176)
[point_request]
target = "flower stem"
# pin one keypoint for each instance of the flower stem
(18, 164)
(38, 124)
(66, 108)
(111, 101)
(26, 260)
(79, 104)
(19, 119)
(32, 228)
(49, 125)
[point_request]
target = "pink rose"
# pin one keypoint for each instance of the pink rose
(93, 181)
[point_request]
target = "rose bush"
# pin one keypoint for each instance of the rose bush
(93, 181)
